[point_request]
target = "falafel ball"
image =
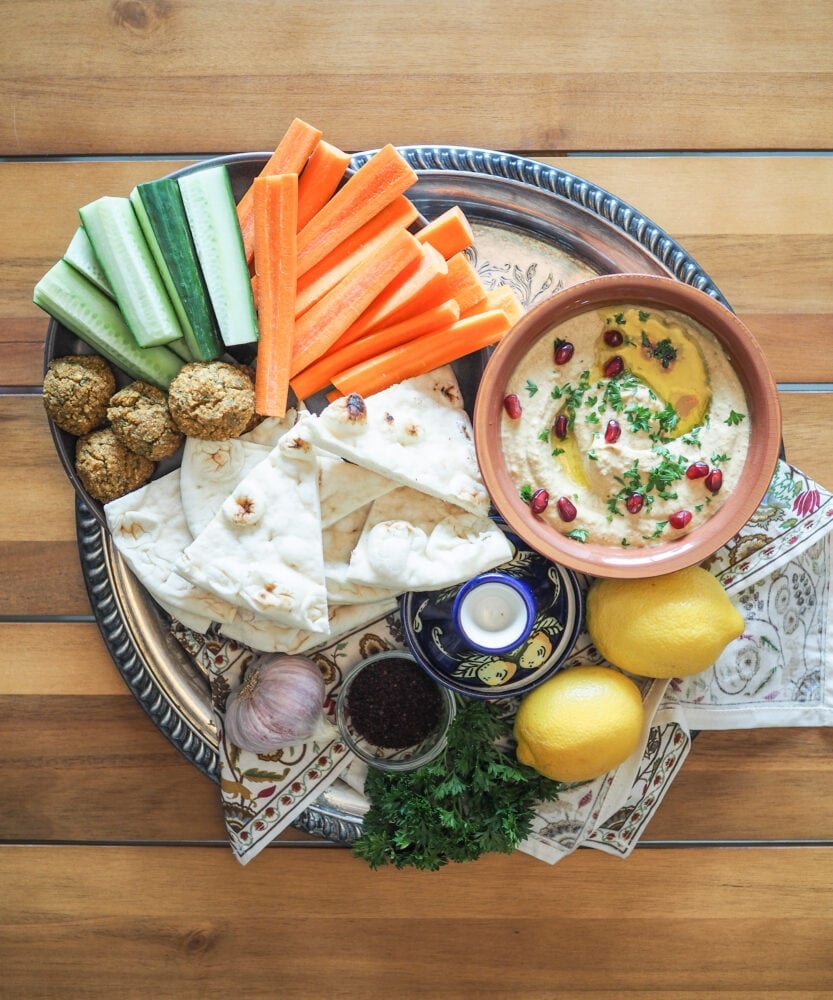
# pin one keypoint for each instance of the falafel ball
(140, 419)
(107, 468)
(213, 400)
(76, 391)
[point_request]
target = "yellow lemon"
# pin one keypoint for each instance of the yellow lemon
(580, 723)
(662, 626)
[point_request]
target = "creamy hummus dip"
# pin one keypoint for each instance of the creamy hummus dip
(625, 426)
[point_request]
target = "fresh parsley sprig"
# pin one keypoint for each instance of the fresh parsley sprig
(475, 798)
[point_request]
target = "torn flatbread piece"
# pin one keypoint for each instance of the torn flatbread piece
(412, 541)
(416, 433)
(271, 429)
(149, 532)
(210, 470)
(339, 541)
(263, 550)
(344, 487)
(267, 636)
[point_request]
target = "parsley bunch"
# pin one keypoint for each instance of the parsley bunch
(473, 799)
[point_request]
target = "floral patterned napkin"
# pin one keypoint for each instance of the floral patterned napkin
(778, 571)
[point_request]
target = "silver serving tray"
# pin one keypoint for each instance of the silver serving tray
(535, 226)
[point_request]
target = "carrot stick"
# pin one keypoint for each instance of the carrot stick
(290, 155)
(449, 233)
(318, 375)
(319, 179)
(275, 217)
(501, 297)
(462, 283)
(400, 299)
(321, 326)
(384, 177)
(423, 354)
(313, 285)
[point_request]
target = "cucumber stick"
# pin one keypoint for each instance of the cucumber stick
(77, 304)
(161, 214)
(122, 251)
(81, 255)
(212, 216)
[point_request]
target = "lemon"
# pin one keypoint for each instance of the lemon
(662, 626)
(580, 723)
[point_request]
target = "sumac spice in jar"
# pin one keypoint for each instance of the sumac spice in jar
(393, 703)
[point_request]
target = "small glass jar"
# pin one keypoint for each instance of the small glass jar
(394, 701)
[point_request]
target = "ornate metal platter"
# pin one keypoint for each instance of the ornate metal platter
(536, 227)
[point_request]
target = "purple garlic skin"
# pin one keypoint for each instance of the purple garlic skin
(279, 703)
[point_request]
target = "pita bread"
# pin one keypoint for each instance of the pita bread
(416, 433)
(262, 550)
(271, 429)
(411, 541)
(339, 541)
(269, 637)
(149, 531)
(210, 470)
(344, 488)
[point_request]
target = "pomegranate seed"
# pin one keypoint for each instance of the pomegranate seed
(559, 428)
(612, 431)
(714, 480)
(512, 405)
(566, 509)
(697, 470)
(563, 352)
(680, 518)
(539, 502)
(614, 366)
(634, 503)
(613, 338)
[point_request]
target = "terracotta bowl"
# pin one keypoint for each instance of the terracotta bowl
(763, 410)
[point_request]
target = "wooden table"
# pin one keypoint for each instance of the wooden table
(716, 121)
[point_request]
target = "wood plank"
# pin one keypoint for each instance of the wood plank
(760, 226)
(75, 733)
(807, 418)
(654, 78)
(42, 574)
(664, 924)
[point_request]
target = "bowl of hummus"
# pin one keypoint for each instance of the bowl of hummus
(627, 426)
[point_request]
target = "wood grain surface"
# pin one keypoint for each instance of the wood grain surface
(131, 75)
(715, 121)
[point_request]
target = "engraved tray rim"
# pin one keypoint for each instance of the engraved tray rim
(129, 621)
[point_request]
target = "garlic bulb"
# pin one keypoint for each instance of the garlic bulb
(278, 703)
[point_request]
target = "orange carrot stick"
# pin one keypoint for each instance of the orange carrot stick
(400, 299)
(449, 233)
(313, 285)
(321, 326)
(275, 217)
(318, 375)
(319, 179)
(462, 283)
(384, 177)
(290, 155)
(423, 354)
(501, 297)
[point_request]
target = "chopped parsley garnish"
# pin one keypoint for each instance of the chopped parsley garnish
(664, 351)
(579, 534)
(544, 436)
(525, 493)
(531, 387)
(720, 458)
(735, 418)
(644, 316)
